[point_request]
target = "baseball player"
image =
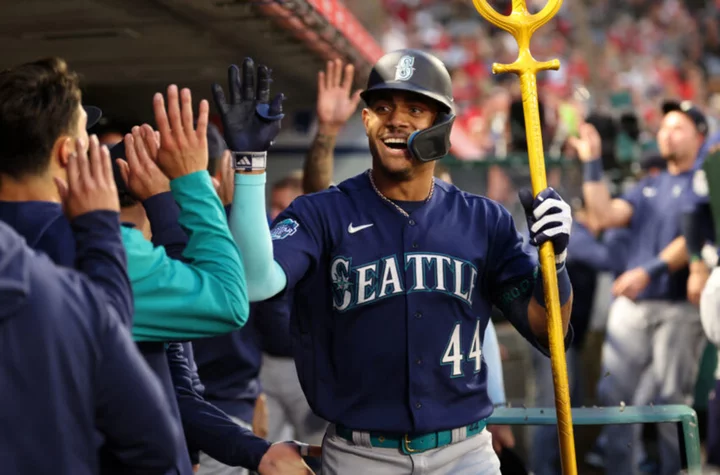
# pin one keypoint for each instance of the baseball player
(704, 280)
(650, 314)
(393, 275)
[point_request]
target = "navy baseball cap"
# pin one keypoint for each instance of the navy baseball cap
(687, 108)
(93, 115)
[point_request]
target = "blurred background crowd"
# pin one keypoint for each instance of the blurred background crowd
(620, 58)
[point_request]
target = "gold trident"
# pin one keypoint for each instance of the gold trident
(521, 24)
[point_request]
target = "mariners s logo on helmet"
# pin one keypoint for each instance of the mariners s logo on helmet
(404, 69)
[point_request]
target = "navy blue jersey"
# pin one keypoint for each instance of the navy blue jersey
(390, 311)
(658, 206)
(46, 229)
(70, 375)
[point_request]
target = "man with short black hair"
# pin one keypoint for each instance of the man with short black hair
(173, 301)
(69, 371)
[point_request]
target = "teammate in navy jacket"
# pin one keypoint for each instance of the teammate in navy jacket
(394, 275)
(70, 374)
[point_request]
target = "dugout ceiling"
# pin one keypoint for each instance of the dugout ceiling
(128, 49)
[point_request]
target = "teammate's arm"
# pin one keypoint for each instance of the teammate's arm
(207, 296)
(206, 427)
(335, 105)
(131, 409)
(604, 211)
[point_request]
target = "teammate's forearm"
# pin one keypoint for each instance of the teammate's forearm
(164, 215)
(675, 254)
(318, 167)
(491, 354)
(205, 297)
(248, 225)
(597, 202)
(101, 256)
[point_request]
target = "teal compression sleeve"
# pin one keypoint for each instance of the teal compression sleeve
(249, 227)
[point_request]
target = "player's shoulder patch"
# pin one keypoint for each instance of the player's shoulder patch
(700, 183)
(284, 229)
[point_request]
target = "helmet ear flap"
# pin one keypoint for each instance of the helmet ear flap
(432, 143)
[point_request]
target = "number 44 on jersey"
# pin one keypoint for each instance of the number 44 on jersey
(454, 355)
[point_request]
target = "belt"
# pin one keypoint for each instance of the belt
(412, 443)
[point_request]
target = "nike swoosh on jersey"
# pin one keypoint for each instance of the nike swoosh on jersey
(353, 229)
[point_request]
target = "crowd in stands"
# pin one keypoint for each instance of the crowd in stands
(642, 52)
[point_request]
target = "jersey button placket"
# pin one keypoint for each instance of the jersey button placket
(416, 360)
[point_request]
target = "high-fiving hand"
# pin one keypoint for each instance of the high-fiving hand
(183, 146)
(250, 121)
(90, 184)
(139, 171)
(335, 101)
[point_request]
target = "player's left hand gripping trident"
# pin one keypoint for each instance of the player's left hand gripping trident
(250, 120)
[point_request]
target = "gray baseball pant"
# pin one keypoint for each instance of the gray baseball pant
(651, 354)
(470, 456)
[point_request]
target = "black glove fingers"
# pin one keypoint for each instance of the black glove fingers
(249, 80)
(234, 84)
(263, 89)
(219, 98)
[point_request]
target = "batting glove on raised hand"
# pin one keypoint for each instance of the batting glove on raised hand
(250, 120)
(549, 219)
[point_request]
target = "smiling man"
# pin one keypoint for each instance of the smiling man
(393, 275)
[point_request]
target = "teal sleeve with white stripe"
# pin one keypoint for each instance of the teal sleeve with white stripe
(249, 227)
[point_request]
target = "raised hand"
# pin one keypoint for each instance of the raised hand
(183, 146)
(90, 184)
(139, 171)
(335, 102)
(250, 121)
(589, 146)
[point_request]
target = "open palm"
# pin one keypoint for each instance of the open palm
(335, 103)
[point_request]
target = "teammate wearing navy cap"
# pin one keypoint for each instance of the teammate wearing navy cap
(651, 313)
(393, 275)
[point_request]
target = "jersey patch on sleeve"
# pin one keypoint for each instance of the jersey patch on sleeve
(284, 229)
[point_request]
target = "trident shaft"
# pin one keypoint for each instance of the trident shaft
(521, 25)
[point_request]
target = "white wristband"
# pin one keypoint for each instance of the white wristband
(249, 161)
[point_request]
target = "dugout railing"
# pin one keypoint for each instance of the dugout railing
(684, 416)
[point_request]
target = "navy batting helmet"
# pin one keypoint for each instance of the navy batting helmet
(422, 73)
